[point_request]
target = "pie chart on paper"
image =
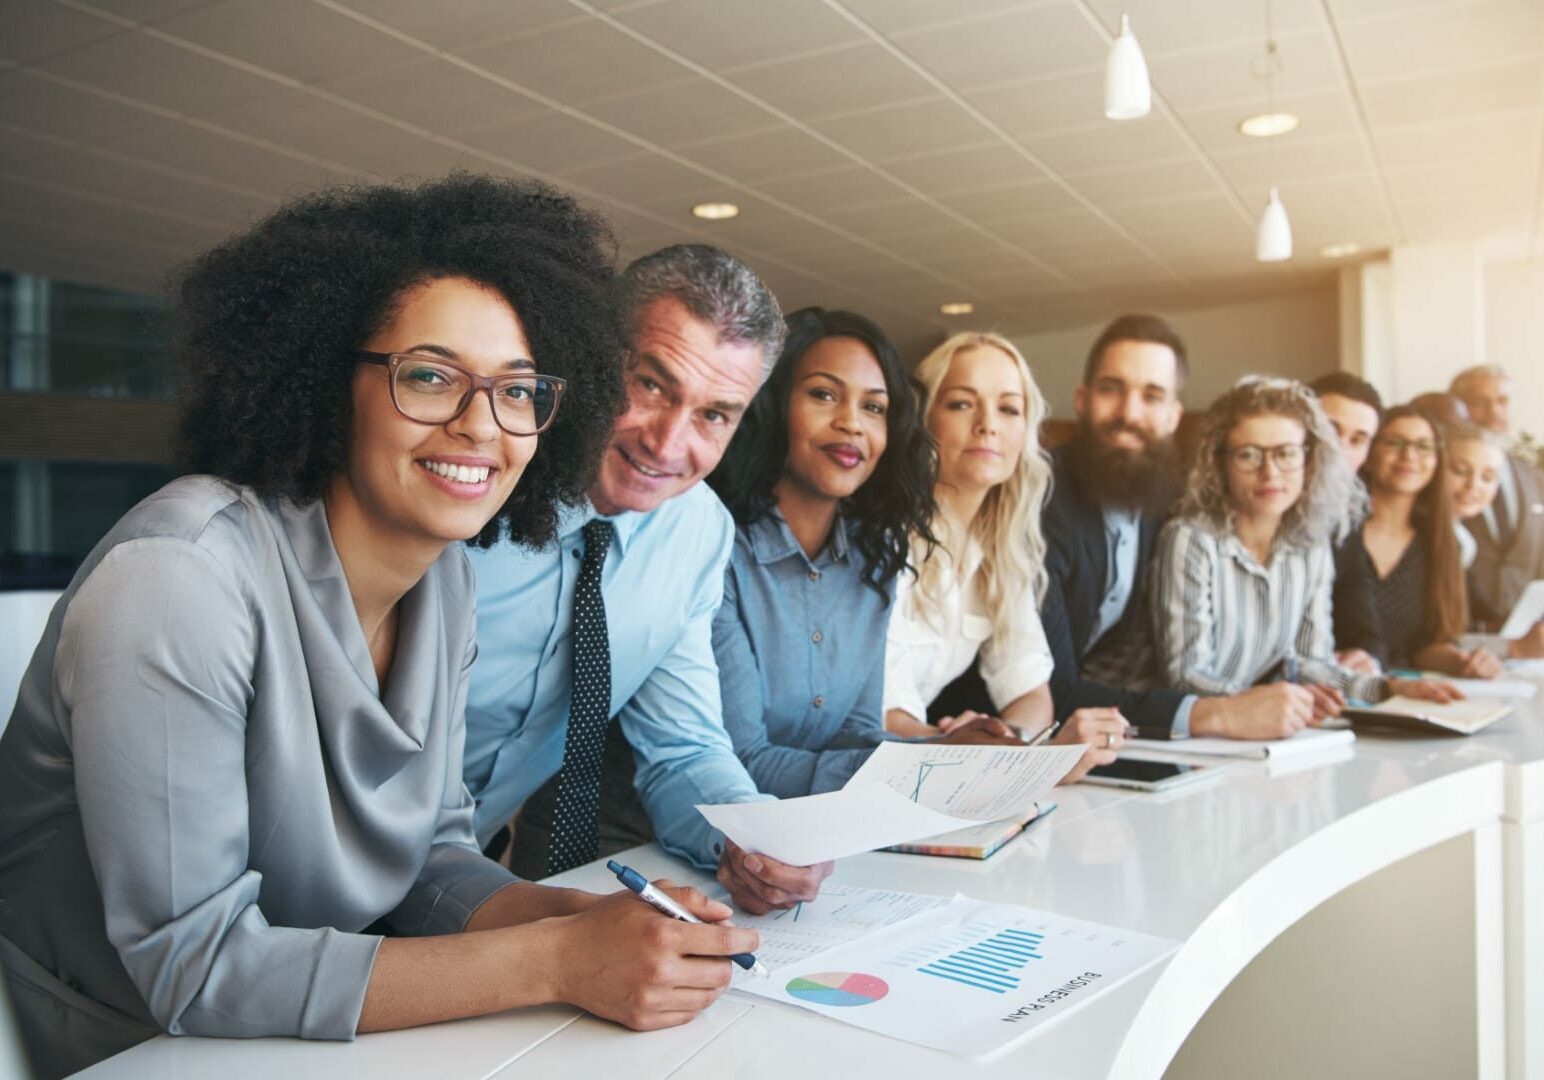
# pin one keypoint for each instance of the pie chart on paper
(842, 988)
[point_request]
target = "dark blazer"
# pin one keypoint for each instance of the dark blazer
(1501, 572)
(1077, 563)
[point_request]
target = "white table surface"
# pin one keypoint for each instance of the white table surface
(1224, 866)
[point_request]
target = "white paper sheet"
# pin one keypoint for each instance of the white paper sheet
(904, 792)
(971, 978)
(838, 916)
(982, 783)
(1500, 689)
(815, 828)
(1528, 610)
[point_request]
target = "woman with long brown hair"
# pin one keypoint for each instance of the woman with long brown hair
(1420, 604)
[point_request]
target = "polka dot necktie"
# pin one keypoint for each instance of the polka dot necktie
(573, 839)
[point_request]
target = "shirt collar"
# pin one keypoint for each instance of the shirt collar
(624, 526)
(772, 540)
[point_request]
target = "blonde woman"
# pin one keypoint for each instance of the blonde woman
(1243, 573)
(976, 594)
(1476, 462)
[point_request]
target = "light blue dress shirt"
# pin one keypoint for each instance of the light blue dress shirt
(663, 581)
(801, 656)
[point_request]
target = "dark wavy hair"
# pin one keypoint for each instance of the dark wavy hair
(895, 504)
(266, 324)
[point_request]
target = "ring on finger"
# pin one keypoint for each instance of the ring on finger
(1109, 740)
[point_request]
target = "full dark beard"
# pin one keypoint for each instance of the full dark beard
(1145, 480)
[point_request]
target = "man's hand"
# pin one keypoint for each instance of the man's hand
(1426, 689)
(625, 961)
(978, 730)
(759, 883)
(1102, 731)
(1479, 664)
(1530, 646)
(1272, 711)
(1327, 702)
(1359, 661)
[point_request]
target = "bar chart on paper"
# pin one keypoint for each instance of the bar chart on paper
(969, 976)
(990, 963)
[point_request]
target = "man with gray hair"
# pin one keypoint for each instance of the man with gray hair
(609, 629)
(1509, 535)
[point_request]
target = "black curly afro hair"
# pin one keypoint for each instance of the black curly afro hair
(267, 323)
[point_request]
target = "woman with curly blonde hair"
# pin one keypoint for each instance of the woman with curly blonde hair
(977, 593)
(1243, 573)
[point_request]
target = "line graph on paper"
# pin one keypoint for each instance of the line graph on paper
(924, 770)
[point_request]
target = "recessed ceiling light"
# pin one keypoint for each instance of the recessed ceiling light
(1339, 251)
(959, 307)
(1267, 124)
(716, 211)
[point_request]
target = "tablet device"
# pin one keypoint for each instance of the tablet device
(1528, 610)
(1145, 775)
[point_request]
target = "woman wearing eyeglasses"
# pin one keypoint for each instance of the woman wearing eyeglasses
(1241, 586)
(230, 793)
(1410, 552)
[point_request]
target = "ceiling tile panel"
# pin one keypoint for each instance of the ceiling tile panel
(920, 127)
(1454, 95)
(721, 35)
(831, 189)
(451, 24)
(1019, 44)
(1148, 182)
(863, 76)
(1473, 139)
(1328, 115)
(1227, 75)
(1108, 146)
(650, 181)
(161, 74)
(780, 150)
(578, 62)
(295, 38)
(1011, 202)
(1035, 106)
(33, 30)
(987, 165)
(682, 113)
(33, 101)
(1186, 26)
(551, 142)
(1445, 39)
(437, 95)
(904, 16)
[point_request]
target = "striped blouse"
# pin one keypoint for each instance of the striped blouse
(1222, 622)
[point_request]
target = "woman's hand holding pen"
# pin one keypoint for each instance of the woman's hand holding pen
(624, 961)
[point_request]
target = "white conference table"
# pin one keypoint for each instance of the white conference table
(1455, 825)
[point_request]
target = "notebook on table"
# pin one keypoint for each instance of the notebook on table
(975, 841)
(1428, 717)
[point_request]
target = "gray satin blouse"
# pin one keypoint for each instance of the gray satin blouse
(204, 795)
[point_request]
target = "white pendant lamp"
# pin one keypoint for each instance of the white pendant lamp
(1127, 93)
(1273, 241)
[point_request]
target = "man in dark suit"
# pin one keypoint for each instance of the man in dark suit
(1509, 536)
(1112, 483)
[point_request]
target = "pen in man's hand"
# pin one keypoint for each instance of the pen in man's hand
(663, 903)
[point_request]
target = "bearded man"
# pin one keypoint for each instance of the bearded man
(1113, 482)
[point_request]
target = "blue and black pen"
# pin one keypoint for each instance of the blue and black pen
(662, 902)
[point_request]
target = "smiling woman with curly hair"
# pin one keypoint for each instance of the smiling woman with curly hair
(230, 793)
(1242, 574)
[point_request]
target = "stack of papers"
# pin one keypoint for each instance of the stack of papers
(904, 792)
(1307, 741)
(1429, 717)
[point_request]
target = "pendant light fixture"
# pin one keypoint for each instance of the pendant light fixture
(1273, 239)
(1127, 93)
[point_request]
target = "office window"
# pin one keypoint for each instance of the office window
(63, 338)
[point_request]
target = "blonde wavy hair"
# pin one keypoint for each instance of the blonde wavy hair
(1333, 500)
(1008, 523)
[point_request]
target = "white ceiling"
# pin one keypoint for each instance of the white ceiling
(889, 155)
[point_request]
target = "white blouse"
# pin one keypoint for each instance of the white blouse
(922, 657)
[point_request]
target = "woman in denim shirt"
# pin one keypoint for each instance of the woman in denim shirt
(829, 475)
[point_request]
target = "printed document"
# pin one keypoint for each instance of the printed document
(971, 977)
